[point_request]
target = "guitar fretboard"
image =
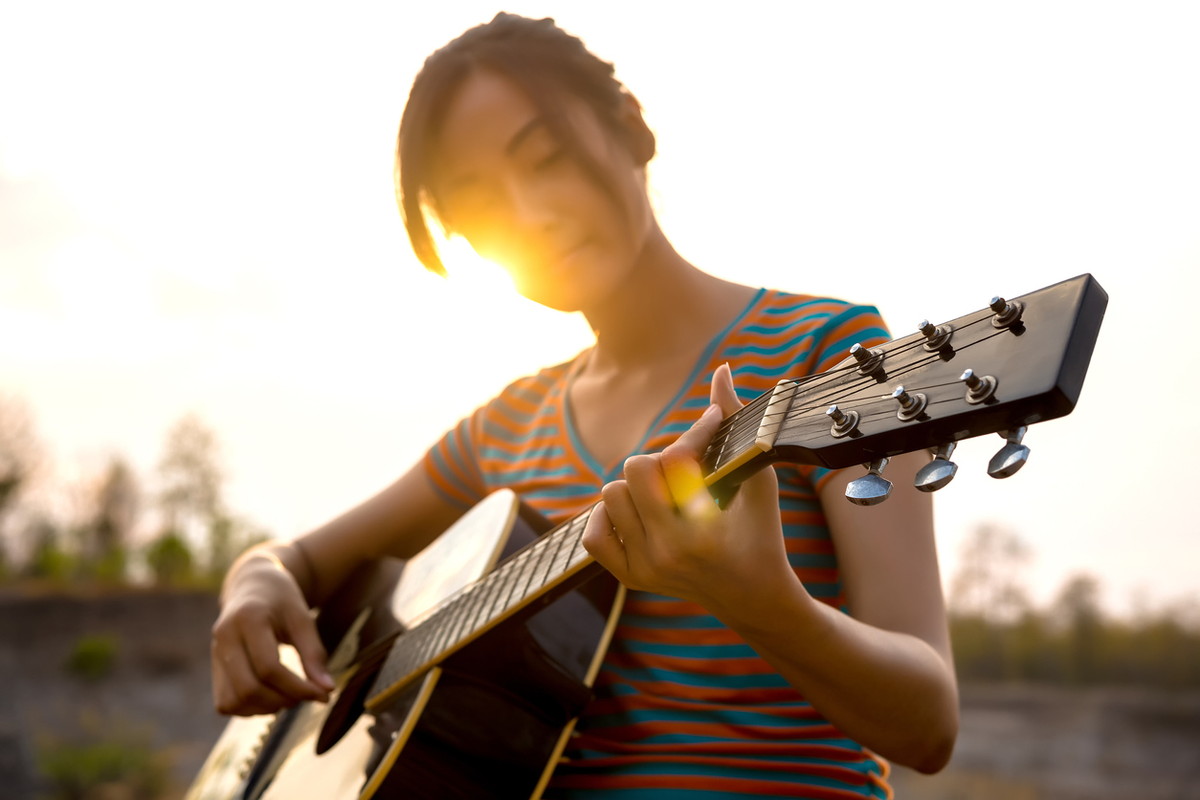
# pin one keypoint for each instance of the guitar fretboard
(513, 585)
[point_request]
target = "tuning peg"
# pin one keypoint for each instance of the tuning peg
(979, 390)
(1011, 457)
(843, 422)
(871, 488)
(936, 336)
(1006, 313)
(869, 361)
(911, 405)
(940, 471)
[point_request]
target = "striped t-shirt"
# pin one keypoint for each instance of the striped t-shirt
(684, 707)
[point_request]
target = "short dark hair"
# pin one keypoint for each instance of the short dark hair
(538, 56)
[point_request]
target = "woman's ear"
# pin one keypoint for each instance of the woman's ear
(638, 136)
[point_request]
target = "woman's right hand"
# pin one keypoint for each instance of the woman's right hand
(263, 607)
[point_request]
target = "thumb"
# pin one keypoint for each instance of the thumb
(301, 632)
(721, 391)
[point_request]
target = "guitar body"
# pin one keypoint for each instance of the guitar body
(489, 721)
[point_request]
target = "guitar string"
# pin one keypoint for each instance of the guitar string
(747, 429)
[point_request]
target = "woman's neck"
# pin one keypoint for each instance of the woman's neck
(668, 309)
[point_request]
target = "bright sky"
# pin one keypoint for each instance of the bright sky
(196, 215)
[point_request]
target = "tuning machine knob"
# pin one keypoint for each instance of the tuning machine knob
(979, 389)
(938, 472)
(911, 405)
(869, 361)
(871, 488)
(1011, 457)
(936, 336)
(1007, 313)
(843, 422)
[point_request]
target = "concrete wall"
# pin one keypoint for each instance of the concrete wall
(158, 686)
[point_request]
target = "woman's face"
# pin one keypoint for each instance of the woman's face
(506, 183)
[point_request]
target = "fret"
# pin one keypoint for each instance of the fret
(422, 640)
(475, 610)
(456, 616)
(396, 666)
(513, 593)
(501, 586)
(504, 592)
(576, 553)
(542, 552)
(555, 566)
(562, 550)
(526, 561)
(415, 649)
(756, 437)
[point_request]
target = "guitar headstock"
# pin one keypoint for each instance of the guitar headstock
(1018, 362)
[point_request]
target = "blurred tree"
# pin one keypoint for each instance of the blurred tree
(170, 560)
(20, 456)
(48, 558)
(1077, 612)
(107, 518)
(988, 583)
(190, 479)
(228, 536)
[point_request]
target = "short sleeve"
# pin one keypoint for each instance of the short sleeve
(452, 467)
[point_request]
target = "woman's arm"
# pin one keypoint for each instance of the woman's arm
(883, 676)
(269, 590)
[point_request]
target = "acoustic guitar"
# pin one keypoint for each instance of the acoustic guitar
(460, 672)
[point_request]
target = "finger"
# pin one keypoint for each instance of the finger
(622, 509)
(680, 464)
(263, 655)
(603, 542)
(301, 633)
(236, 689)
(643, 496)
(693, 442)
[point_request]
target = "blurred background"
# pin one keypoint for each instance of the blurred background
(212, 331)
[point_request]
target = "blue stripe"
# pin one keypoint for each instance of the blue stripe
(698, 622)
(451, 477)
(561, 492)
(502, 454)
(812, 301)
(707, 715)
(796, 776)
(794, 343)
(693, 651)
(538, 473)
(766, 681)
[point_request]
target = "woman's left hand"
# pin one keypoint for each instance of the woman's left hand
(659, 530)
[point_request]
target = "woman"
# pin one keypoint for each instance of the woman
(784, 646)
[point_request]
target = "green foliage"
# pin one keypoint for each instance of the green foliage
(1075, 644)
(93, 657)
(50, 560)
(170, 559)
(122, 766)
(108, 567)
